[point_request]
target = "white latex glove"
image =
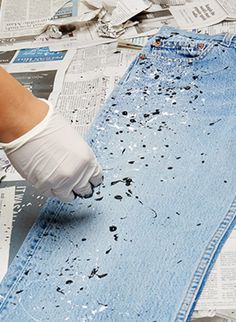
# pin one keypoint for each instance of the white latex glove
(55, 159)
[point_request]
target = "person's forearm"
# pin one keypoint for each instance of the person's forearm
(20, 111)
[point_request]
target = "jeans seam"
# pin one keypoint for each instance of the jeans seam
(21, 271)
(198, 58)
(206, 263)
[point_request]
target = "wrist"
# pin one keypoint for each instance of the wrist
(21, 118)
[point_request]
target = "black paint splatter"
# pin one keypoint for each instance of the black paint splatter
(94, 272)
(213, 123)
(59, 290)
(108, 251)
(112, 228)
(118, 197)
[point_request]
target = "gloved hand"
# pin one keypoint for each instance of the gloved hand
(55, 159)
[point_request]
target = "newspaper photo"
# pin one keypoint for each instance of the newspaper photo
(41, 75)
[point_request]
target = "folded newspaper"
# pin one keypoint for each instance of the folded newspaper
(203, 13)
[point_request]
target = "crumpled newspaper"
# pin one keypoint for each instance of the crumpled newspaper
(88, 10)
(101, 10)
(57, 31)
(107, 30)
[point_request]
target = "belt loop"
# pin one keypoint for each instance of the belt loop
(227, 40)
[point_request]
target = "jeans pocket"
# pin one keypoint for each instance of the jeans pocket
(180, 49)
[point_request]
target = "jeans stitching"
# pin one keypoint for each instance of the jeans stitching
(24, 266)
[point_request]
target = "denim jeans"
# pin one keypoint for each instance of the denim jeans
(142, 247)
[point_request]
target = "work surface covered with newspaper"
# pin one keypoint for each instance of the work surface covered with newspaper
(73, 53)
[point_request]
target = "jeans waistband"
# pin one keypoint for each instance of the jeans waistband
(226, 39)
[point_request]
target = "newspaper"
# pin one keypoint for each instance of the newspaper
(35, 55)
(86, 37)
(230, 8)
(28, 18)
(94, 33)
(228, 313)
(27, 206)
(91, 33)
(216, 318)
(169, 2)
(199, 14)
(7, 172)
(223, 27)
(97, 4)
(213, 316)
(150, 23)
(6, 216)
(43, 78)
(69, 10)
(220, 290)
(126, 10)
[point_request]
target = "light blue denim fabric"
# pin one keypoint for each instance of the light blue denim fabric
(142, 247)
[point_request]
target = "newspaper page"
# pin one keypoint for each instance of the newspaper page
(86, 37)
(61, 58)
(7, 172)
(34, 55)
(28, 17)
(6, 216)
(214, 316)
(169, 2)
(175, 2)
(69, 10)
(229, 313)
(89, 81)
(198, 14)
(43, 78)
(137, 41)
(42, 40)
(150, 23)
(27, 206)
(223, 27)
(230, 8)
(220, 290)
(126, 10)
